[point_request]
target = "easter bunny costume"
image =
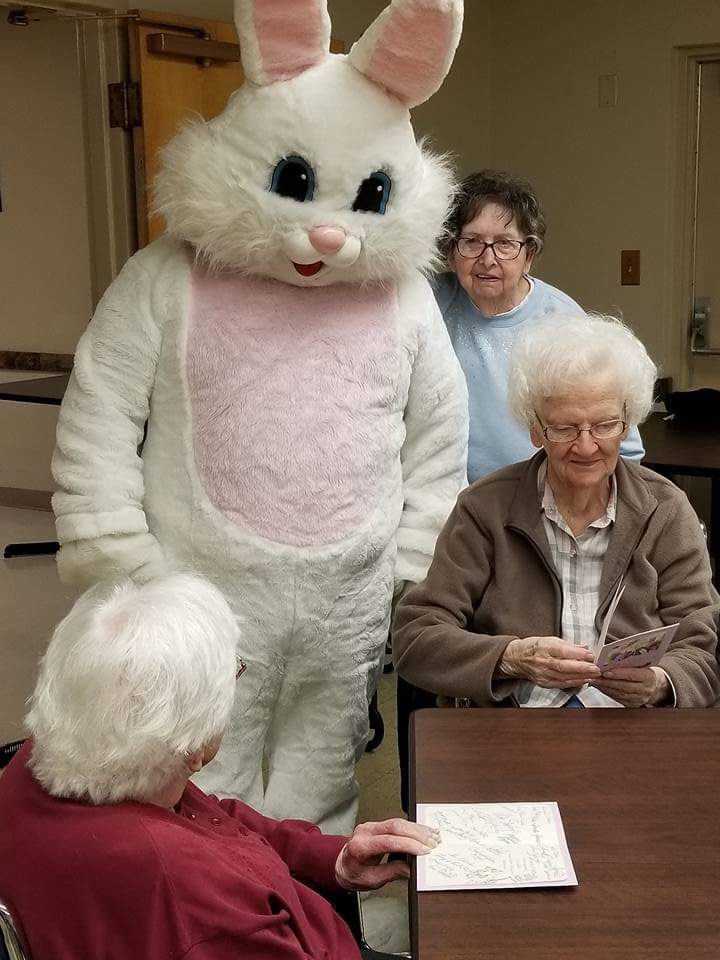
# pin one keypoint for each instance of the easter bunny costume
(268, 396)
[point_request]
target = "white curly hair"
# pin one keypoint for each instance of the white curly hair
(135, 678)
(562, 353)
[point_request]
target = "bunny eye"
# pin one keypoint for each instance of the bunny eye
(373, 194)
(293, 177)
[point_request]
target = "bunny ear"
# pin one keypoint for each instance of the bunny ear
(280, 39)
(410, 46)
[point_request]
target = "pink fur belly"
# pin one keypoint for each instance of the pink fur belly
(297, 401)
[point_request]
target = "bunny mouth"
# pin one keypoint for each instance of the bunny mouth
(308, 269)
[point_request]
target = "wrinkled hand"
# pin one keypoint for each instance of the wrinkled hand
(359, 864)
(548, 662)
(635, 686)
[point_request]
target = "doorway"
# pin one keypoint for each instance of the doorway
(698, 239)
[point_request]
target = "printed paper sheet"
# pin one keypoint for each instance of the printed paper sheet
(495, 846)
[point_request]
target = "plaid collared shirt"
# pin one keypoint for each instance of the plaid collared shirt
(579, 563)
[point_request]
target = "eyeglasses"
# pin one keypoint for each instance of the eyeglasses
(241, 668)
(605, 430)
(504, 249)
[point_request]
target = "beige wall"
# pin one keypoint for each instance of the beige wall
(523, 95)
(606, 176)
(45, 270)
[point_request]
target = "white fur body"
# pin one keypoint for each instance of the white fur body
(314, 607)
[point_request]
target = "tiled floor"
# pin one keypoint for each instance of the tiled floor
(378, 773)
(385, 912)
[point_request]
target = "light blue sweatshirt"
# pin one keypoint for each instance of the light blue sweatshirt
(483, 346)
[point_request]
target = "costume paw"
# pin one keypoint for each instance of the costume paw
(82, 563)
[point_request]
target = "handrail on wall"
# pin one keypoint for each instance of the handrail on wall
(34, 548)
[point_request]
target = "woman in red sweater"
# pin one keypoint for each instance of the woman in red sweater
(107, 851)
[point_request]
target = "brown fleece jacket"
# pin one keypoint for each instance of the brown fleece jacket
(492, 579)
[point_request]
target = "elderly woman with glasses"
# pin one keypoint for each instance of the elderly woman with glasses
(531, 557)
(106, 848)
(496, 231)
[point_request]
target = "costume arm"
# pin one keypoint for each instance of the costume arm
(309, 854)
(686, 596)
(98, 505)
(433, 645)
(434, 454)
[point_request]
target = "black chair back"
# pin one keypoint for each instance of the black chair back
(7, 752)
(11, 947)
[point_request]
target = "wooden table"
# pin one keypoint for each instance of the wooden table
(639, 795)
(691, 449)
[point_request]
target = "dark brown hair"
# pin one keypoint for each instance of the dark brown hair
(495, 186)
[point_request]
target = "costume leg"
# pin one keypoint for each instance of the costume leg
(236, 771)
(321, 725)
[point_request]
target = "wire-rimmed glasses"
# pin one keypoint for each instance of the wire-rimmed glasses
(503, 249)
(561, 433)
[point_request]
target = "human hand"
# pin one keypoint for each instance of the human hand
(635, 686)
(359, 864)
(548, 662)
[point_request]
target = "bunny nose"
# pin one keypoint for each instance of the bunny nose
(327, 239)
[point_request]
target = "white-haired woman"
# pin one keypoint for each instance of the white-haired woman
(531, 556)
(106, 849)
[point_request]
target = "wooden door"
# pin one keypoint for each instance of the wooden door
(174, 84)
(184, 67)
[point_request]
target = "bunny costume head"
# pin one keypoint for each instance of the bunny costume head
(312, 174)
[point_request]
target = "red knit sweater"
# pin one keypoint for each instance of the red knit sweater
(133, 881)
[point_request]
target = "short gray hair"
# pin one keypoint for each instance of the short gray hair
(135, 678)
(563, 353)
(511, 193)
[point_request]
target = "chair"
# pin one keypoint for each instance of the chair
(11, 944)
(377, 725)
(408, 699)
(347, 905)
(8, 751)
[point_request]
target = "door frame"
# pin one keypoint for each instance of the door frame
(102, 58)
(683, 218)
(103, 53)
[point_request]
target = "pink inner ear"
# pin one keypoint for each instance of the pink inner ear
(290, 37)
(412, 57)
